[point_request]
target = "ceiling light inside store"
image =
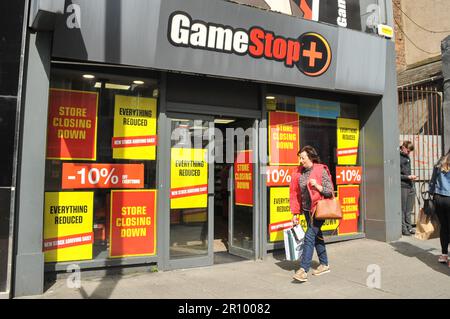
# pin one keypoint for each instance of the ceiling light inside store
(180, 120)
(138, 82)
(113, 86)
(270, 97)
(223, 121)
(88, 76)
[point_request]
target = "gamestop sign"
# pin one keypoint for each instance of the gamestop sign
(310, 52)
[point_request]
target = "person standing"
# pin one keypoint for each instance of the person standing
(310, 183)
(408, 190)
(440, 188)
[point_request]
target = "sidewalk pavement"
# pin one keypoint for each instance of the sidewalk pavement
(408, 268)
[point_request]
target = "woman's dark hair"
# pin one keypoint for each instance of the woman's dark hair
(311, 152)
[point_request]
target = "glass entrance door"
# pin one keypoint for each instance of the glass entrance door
(242, 184)
(191, 191)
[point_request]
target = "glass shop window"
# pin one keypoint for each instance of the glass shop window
(332, 128)
(100, 178)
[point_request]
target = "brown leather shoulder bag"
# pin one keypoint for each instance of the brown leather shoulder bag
(329, 208)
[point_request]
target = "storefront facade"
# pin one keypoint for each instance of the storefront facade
(152, 125)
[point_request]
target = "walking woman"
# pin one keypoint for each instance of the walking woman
(440, 187)
(311, 183)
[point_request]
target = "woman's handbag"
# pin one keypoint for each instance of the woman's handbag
(328, 209)
(427, 226)
(428, 205)
(428, 201)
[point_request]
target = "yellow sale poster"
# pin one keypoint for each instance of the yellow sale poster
(280, 212)
(330, 225)
(281, 216)
(188, 178)
(134, 128)
(347, 141)
(68, 226)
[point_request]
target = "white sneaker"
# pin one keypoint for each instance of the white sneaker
(443, 259)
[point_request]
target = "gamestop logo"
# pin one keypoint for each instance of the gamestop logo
(310, 52)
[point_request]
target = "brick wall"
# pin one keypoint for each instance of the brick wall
(399, 37)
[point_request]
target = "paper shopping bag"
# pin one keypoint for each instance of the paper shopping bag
(293, 242)
(427, 227)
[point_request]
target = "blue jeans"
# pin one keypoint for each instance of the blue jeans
(313, 238)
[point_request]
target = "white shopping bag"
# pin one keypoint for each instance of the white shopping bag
(293, 242)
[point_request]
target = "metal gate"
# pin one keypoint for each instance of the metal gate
(420, 121)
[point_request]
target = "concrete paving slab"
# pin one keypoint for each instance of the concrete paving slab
(363, 293)
(408, 269)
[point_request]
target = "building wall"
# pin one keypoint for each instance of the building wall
(11, 29)
(420, 44)
(399, 36)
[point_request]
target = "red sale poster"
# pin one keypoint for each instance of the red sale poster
(243, 181)
(348, 175)
(81, 176)
(349, 199)
(132, 223)
(72, 125)
(284, 138)
(279, 175)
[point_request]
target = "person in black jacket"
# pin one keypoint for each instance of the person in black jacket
(408, 189)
